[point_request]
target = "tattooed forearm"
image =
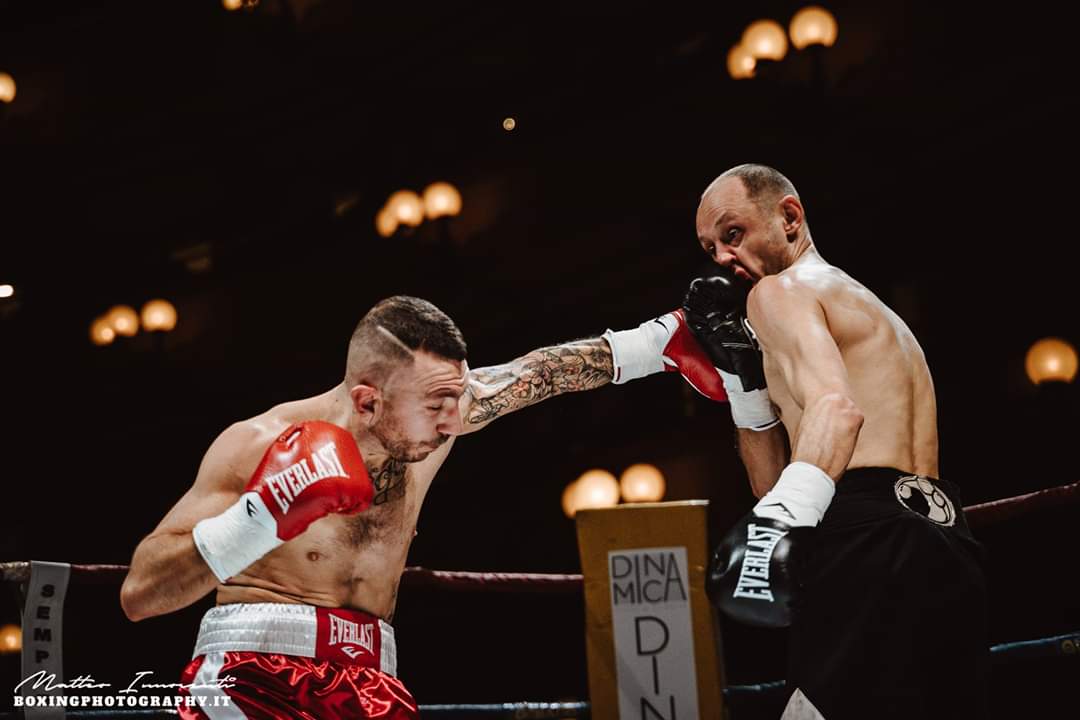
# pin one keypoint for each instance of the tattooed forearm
(543, 373)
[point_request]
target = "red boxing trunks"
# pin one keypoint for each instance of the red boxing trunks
(275, 660)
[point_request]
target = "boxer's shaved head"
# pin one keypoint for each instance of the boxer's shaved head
(765, 186)
(388, 335)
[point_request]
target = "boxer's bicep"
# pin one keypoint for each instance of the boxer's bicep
(494, 391)
(218, 483)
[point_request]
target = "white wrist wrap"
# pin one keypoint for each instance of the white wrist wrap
(750, 409)
(233, 540)
(638, 352)
(800, 497)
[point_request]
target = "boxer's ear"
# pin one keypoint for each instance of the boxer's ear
(367, 401)
(792, 211)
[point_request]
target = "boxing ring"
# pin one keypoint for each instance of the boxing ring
(743, 702)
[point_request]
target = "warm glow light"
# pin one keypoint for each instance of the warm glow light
(406, 207)
(101, 332)
(385, 222)
(765, 40)
(7, 291)
(642, 483)
(10, 639)
(1051, 359)
(740, 63)
(594, 489)
(813, 25)
(232, 4)
(509, 124)
(123, 320)
(7, 87)
(158, 315)
(441, 199)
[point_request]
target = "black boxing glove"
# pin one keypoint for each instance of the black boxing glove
(715, 309)
(754, 573)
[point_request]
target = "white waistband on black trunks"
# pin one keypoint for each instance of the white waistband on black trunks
(283, 628)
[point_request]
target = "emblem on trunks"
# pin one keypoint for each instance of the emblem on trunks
(920, 495)
(354, 637)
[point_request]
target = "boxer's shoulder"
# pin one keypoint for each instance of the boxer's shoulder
(238, 449)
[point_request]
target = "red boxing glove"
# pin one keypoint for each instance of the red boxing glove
(312, 470)
(667, 344)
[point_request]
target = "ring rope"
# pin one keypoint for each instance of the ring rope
(19, 571)
(980, 515)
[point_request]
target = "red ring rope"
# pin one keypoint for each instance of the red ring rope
(981, 515)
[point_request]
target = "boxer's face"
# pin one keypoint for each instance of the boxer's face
(738, 233)
(420, 410)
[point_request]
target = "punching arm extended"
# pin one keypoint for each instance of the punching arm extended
(492, 392)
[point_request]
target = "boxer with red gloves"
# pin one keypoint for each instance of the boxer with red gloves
(312, 469)
(301, 517)
(663, 344)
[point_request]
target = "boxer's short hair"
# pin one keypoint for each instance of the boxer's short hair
(764, 185)
(397, 326)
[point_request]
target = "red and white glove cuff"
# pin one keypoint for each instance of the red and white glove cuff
(750, 409)
(639, 352)
(233, 540)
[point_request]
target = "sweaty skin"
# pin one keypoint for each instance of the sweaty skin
(812, 315)
(351, 561)
(850, 381)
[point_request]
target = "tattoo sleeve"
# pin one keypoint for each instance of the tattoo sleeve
(543, 373)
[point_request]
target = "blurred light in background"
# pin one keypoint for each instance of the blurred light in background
(123, 320)
(7, 87)
(406, 207)
(101, 332)
(441, 199)
(158, 315)
(765, 40)
(7, 291)
(594, 489)
(10, 639)
(1051, 359)
(740, 63)
(385, 222)
(642, 483)
(813, 25)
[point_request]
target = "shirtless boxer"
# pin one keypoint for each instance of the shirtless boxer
(854, 542)
(301, 518)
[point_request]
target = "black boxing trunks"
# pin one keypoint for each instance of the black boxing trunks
(891, 617)
(274, 660)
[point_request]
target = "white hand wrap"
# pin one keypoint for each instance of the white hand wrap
(236, 538)
(800, 497)
(639, 352)
(750, 409)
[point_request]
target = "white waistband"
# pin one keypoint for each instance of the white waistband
(284, 628)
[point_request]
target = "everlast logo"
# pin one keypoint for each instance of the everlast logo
(291, 481)
(344, 631)
(754, 575)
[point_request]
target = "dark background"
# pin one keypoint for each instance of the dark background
(233, 163)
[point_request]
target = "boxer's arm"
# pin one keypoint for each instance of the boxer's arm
(167, 572)
(500, 389)
(792, 328)
(764, 453)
